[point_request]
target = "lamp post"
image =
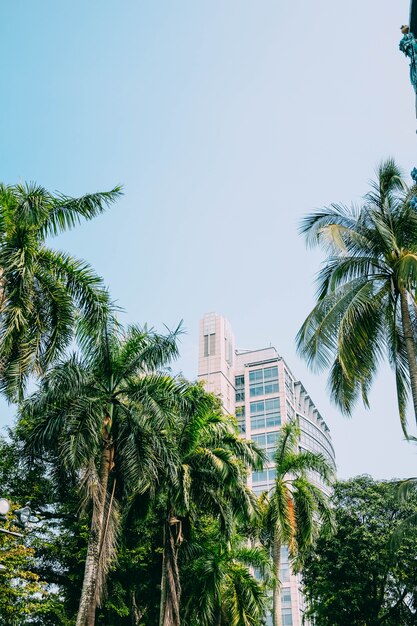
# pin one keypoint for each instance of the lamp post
(22, 517)
(413, 17)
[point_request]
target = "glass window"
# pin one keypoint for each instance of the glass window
(271, 438)
(284, 574)
(240, 396)
(260, 440)
(255, 376)
(240, 416)
(257, 407)
(265, 413)
(260, 476)
(256, 390)
(286, 617)
(290, 411)
(286, 596)
(239, 381)
(270, 373)
(263, 382)
(272, 420)
(210, 344)
(272, 405)
(271, 388)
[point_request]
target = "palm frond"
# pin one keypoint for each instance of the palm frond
(65, 212)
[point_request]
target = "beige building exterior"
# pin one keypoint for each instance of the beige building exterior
(258, 387)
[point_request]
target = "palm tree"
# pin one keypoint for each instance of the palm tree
(295, 507)
(366, 302)
(222, 589)
(103, 414)
(42, 290)
(209, 475)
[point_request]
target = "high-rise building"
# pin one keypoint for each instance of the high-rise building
(258, 387)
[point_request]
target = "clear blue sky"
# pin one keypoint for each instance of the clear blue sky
(226, 122)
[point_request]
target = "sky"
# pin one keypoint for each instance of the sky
(226, 122)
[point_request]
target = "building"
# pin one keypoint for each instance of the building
(259, 388)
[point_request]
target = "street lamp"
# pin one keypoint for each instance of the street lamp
(413, 17)
(4, 509)
(23, 516)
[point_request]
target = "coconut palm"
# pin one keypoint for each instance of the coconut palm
(103, 414)
(209, 475)
(366, 302)
(41, 290)
(222, 589)
(296, 506)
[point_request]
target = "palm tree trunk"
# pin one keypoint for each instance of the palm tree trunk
(163, 583)
(88, 601)
(276, 592)
(410, 346)
(170, 585)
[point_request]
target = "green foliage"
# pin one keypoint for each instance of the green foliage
(353, 577)
(103, 416)
(219, 586)
(366, 296)
(208, 475)
(292, 511)
(42, 290)
(32, 589)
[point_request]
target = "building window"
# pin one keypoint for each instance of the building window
(286, 596)
(290, 411)
(263, 381)
(286, 617)
(260, 476)
(210, 344)
(240, 416)
(268, 442)
(289, 386)
(264, 476)
(240, 388)
(265, 413)
(284, 574)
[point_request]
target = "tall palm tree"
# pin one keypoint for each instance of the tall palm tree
(42, 290)
(209, 475)
(296, 506)
(222, 589)
(104, 413)
(366, 301)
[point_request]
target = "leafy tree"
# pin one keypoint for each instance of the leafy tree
(209, 474)
(22, 593)
(353, 577)
(42, 290)
(53, 546)
(295, 507)
(366, 300)
(103, 414)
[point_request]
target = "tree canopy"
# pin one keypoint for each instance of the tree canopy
(355, 577)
